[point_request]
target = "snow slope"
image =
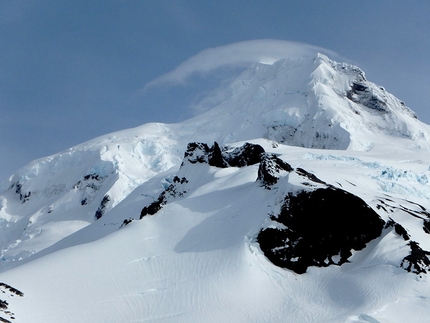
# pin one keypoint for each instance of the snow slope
(72, 242)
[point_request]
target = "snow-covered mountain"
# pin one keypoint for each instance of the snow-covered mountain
(303, 196)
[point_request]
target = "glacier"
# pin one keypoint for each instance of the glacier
(76, 242)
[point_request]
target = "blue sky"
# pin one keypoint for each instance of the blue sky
(74, 70)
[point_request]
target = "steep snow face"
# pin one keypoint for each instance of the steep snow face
(55, 196)
(314, 103)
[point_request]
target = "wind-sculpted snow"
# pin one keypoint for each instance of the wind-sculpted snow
(200, 153)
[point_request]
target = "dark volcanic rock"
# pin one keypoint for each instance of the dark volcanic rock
(269, 169)
(201, 153)
(418, 261)
(196, 153)
(4, 305)
(361, 94)
(426, 226)
(310, 176)
(174, 190)
(154, 207)
(215, 157)
(319, 228)
(23, 196)
(246, 155)
(400, 230)
(88, 186)
(102, 208)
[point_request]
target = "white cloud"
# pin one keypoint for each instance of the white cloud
(237, 54)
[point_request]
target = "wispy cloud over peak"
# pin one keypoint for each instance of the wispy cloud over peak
(266, 51)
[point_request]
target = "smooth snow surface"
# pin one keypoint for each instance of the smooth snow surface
(64, 245)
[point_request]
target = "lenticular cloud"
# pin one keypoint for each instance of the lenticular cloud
(265, 51)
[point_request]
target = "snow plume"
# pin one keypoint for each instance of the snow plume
(239, 54)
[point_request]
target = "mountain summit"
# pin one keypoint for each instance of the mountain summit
(303, 196)
(312, 103)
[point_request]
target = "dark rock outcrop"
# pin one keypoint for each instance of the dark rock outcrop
(418, 261)
(416, 210)
(154, 207)
(309, 176)
(426, 226)
(126, 222)
(89, 185)
(399, 229)
(270, 168)
(215, 157)
(4, 305)
(102, 208)
(174, 190)
(246, 155)
(319, 228)
(362, 94)
(201, 153)
(23, 196)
